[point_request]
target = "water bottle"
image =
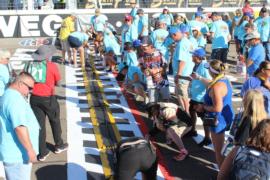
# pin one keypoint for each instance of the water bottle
(149, 82)
(241, 68)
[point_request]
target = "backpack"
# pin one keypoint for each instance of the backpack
(250, 164)
(38, 69)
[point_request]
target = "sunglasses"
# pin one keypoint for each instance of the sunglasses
(29, 87)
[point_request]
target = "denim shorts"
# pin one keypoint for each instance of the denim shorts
(74, 42)
(18, 171)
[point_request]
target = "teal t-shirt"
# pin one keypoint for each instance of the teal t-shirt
(221, 32)
(143, 23)
(263, 26)
(198, 88)
(201, 41)
(158, 38)
(241, 31)
(194, 42)
(131, 58)
(132, 70)
(182, 52)
(236, 27)
(98, 22)
(203, 27)
(168, 18)
(4, 78)
(16, 111)
(129, 34)
(133, 12)
(110, 43)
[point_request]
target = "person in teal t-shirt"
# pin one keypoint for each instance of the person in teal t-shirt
(182, 65)
(130, 56)
(98, 21)
(263, 26)
(142, 23)
(220, 35)
(19, 132)
(4, 71)
(200, 79)
(78, 41)
(201, 41)
(129, 31)
(158, 38)
(197, 22)
(166, 16)
(134, 9)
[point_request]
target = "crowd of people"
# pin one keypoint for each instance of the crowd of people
(177, 47)
(143, 60)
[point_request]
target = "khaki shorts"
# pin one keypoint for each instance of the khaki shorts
(181, 90)
(180, 131)
(65, 45)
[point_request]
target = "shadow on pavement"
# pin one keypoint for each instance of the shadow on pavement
(52, 172)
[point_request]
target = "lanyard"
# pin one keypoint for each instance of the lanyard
(220, 76)
(261, 78)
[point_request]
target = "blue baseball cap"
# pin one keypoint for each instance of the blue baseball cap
(184, 29)
(137, 43)
(198, 14)
(174, 30)
(200, 52)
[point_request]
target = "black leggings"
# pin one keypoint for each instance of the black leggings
(135, 159)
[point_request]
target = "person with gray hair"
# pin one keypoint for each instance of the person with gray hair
(4, 71)
(19, 132)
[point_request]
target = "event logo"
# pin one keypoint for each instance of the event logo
(35, 42)
(29, 25)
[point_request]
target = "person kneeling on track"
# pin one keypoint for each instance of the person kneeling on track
(135, 155)
(173, 121)
(110, 60)
(78, 41)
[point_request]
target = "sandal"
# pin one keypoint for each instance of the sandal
(181, 156)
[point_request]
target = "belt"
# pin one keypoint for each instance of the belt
(136, 145)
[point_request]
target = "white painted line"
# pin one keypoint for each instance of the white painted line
(93, 151)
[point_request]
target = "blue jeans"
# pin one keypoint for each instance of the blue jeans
(266, 46)
(18, 171)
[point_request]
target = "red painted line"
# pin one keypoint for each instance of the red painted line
(143, 127)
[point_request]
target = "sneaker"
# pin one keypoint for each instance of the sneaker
(182, 155)
(44, 157)
(66, 63)
(205, 142)
(61, 148)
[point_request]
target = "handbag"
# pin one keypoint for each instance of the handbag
(210, 121)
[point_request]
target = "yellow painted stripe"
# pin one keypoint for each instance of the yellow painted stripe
(109, 113)
(103, 154)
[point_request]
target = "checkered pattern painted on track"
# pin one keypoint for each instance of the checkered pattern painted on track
(83, 155)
